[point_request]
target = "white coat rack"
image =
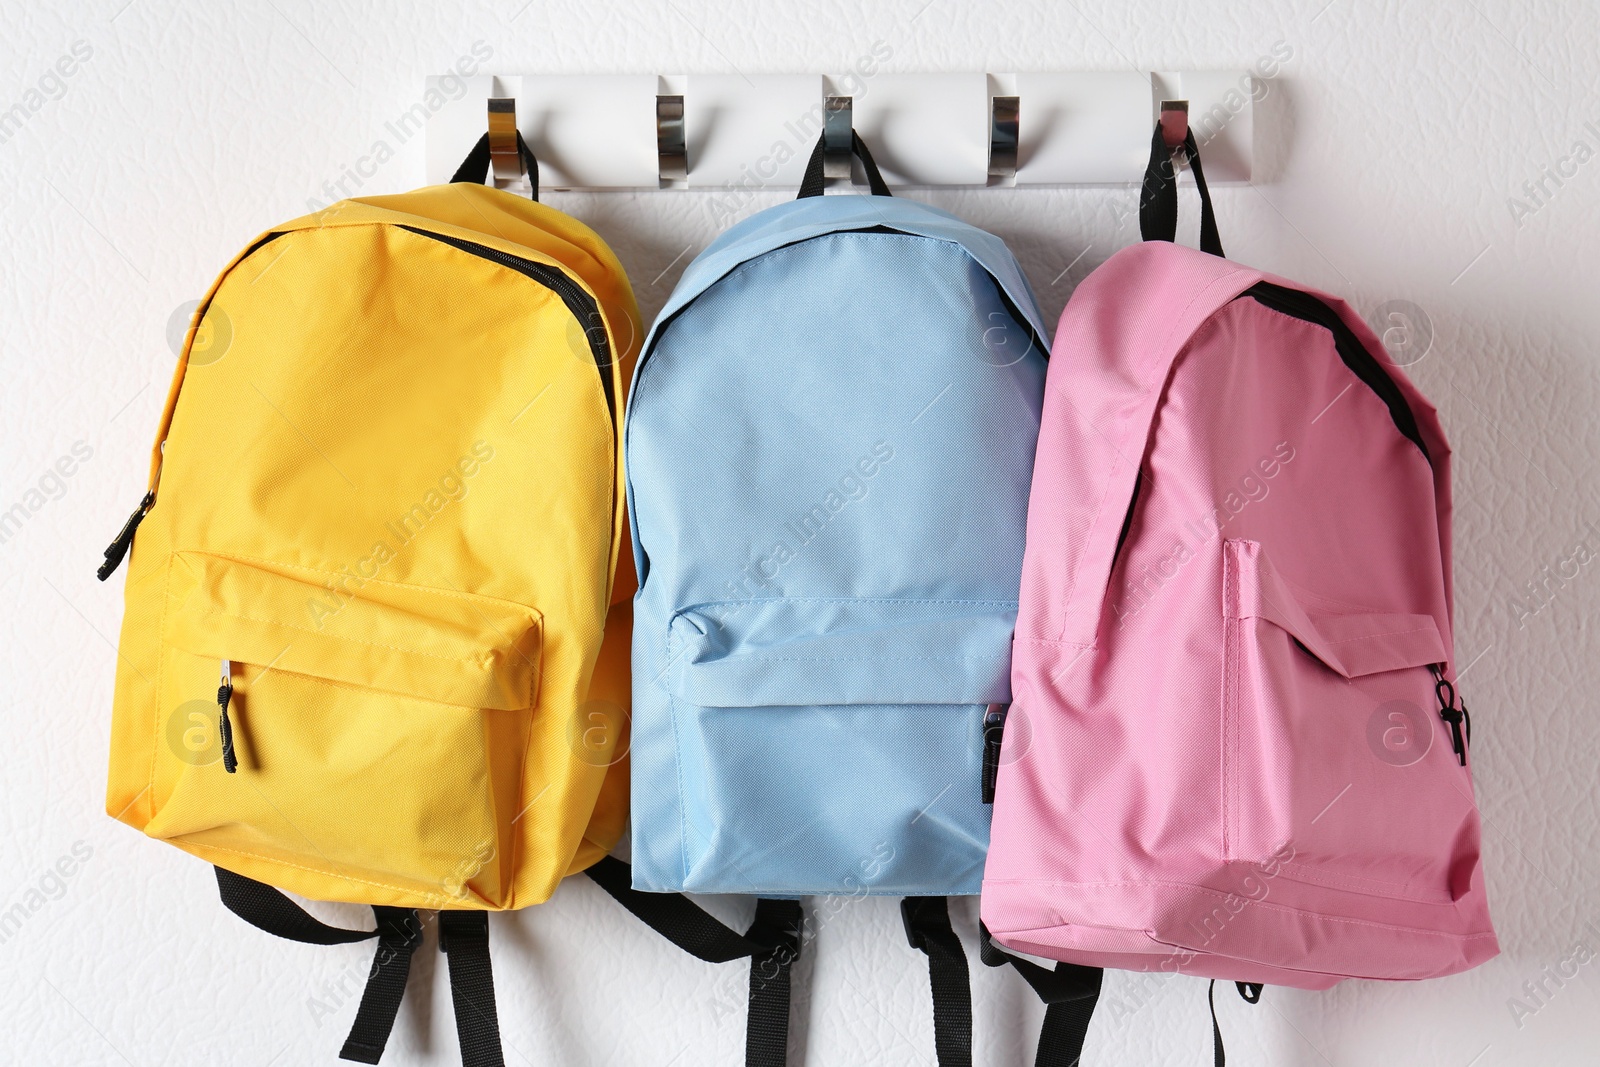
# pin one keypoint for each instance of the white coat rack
(729, 131)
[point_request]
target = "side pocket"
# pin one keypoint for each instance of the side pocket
(1337, 767)
(379, 734)
(835, 746)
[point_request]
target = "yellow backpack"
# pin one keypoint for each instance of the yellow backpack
(375, 647)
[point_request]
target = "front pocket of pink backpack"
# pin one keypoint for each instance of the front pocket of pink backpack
(1337, 768)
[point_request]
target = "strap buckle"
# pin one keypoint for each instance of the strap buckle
(467, 927)
(777, 928)
(399, 926)
(908, 919)
(910, 915)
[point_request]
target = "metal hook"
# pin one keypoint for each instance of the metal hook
(1003, 128)
(503, 154)
(1174, 122)
(837, 136)
(672, 153)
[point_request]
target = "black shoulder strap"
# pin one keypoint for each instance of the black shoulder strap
(813, 182)
(1158, 197)
(399, 935)
(399, 932)
(927, 921)
(772, 943)
(1070, 992)
(474, 170)
(464, 937)
(766, 1034)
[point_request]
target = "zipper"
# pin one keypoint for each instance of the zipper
(1039, 344)
(118, 548)
(994, 728)
(582, 306)
(230, 759)
(1362, 363)
(1455, 717)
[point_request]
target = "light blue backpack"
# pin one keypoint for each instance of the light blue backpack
(829, 450)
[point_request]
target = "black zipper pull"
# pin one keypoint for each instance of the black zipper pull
(1451, 714)
(994, 728)
(230, 759)
(119, 548)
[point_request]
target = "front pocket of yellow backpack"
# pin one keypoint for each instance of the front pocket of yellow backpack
(379, 730)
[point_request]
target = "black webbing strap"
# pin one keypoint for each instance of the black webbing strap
(399, 933)
(772, 943)
(269, 909)
(1070, 993)
(766, 1035)
(1158, 197)
(474, 170)
(464, 937)
(813, 182)
(927, 921)
(673, 916)
(1251, 992)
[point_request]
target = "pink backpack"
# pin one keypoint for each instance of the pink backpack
(1234, 748)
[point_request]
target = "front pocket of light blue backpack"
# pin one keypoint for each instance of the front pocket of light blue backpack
(834, 746)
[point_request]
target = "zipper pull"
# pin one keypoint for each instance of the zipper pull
(1446, 692)
(230, 760)
(119, 548)
(994, 728)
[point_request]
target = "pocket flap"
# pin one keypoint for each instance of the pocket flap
(436, 645)
(1352, 644)
(807, 652)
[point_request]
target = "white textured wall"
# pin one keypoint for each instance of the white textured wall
(1387, 151)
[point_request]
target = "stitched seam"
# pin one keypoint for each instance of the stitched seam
(161, 689)
(677, 766)
(348, 640)
(330, 873)
(453, 593)
(506, 883)
(839, 600)
(1386, 633)
(861, 659)
(794, 248)
(1350, 882)
(1203, 890)
(1072, 583)
(1228, 725)
(430, 702)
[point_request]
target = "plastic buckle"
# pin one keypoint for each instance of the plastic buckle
(405, 932)
(478, 932)
(908, 916)
(790, 942)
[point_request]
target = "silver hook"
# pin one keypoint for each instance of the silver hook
(1003, 131)
(503, 154)
(672, 153)
(837, 136)
(1174, 122)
